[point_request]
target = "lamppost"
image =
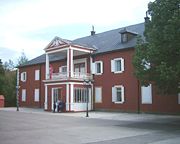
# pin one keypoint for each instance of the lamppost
(87, 82)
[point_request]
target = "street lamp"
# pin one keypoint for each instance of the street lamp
(87, 82)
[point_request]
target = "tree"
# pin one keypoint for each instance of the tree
(2, 74)
(9, 66)
(22, 59)
(157, 58)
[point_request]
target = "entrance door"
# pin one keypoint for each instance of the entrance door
(56, 95)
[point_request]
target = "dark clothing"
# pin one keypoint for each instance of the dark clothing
(54, 107)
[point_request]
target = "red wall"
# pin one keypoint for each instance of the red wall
(108, 79)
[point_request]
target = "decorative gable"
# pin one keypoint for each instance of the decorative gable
(57, 42)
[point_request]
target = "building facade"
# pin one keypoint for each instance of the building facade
(96, 69)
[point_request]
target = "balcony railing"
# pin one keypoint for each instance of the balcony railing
(74, 75)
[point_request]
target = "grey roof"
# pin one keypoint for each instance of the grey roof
(102, 42)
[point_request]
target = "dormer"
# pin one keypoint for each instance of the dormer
(127, 35)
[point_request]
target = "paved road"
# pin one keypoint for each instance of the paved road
(49, 128)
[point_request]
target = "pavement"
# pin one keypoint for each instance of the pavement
(40, 127)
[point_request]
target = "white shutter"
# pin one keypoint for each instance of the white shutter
(101, 63)
(122, 64)
(21, 76)
(93, 70)
(98, 94)
(36, 74)
(36, 95)
(60, 69)
(114, 97)
(146, 94)
(122, 92)
(23, 98)
(112, 66)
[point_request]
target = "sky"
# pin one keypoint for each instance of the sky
(29, 25)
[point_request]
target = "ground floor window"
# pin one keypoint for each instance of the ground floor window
(23, 95)
(80, 95)
(98, 94)
(118, 94)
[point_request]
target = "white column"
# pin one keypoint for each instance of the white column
(67, 97)
(46, 98)
(47, 66)
(72, 95)
(70, 62)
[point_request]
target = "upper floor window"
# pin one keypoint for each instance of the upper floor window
(63, 69)
(124, 37)
(97, 68)
(23, 76)
(37, 74)
(117, 65)
(118, 94)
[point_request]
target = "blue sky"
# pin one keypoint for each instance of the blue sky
(29, 25)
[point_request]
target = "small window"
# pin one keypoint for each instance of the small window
(118, 94)
(63, 69)
(98, 94)
(117, 65)
(23, 95)
(36, 74)
(124, 37)
(36, 95)
(23, 76)
(97, 68)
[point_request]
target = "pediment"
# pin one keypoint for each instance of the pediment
(57, 42)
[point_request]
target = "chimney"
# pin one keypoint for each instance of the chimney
(146, 18)
(93, 32)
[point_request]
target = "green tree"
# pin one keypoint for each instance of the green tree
(2, 79)
(22, 59)
(157, 58)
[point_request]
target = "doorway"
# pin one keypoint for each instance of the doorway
(56, 95)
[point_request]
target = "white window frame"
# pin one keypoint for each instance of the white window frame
(113, 65)
(36, 95)
(98, 94)
(23, 98)
(23, 76)
(95, 67)
(37, 74)
(60, 68)
(114, 94)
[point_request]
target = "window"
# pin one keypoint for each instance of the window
(36, 74)
(36, 95)
(117, 65)
(23, 95)
(97, 68)
(98, 94)
(146, 94)
(178, 98)
(23, 76)
(118, 94)
(80, 95)
(63, 69)
(124, 37)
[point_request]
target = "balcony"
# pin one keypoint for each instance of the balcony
(70, 76)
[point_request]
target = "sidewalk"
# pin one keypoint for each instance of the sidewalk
(105, 115)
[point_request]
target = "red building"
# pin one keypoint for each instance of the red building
(105, 61)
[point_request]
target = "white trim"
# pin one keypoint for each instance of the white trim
(113, 65)
(114, 96)
(72, 96)
(47, 66)
(46, 98)
(67, 97)
(58, 50)
(101, 66)
(72, 64)
(80, 83)
(23, 76)
(86, 51)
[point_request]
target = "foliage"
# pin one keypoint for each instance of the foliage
(22, 59)
(161, 47)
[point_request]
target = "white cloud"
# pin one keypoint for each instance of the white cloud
(19, 18)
